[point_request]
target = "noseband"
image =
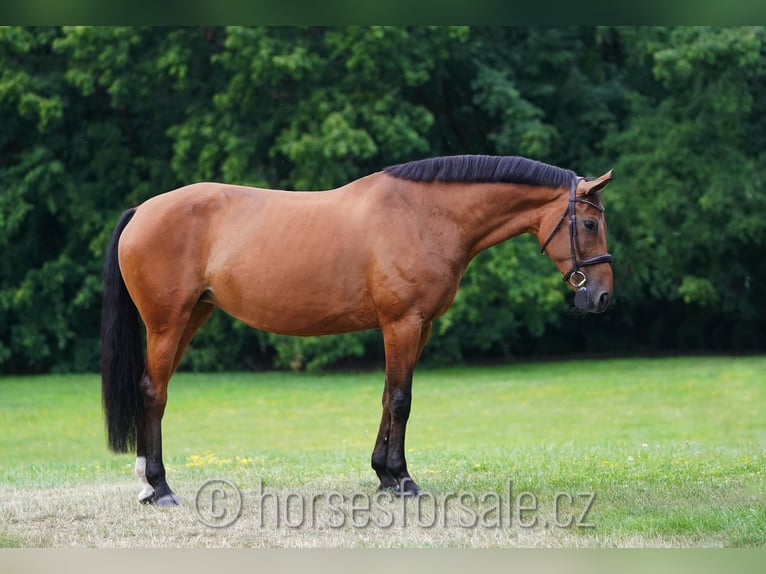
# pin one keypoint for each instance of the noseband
(576, 277)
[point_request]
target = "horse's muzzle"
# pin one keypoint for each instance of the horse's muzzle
(591, 300)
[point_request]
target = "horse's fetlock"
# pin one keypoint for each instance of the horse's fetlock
(155, 473)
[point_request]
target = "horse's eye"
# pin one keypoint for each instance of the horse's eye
(589, 224)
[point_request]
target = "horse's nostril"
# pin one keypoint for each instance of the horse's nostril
(603, 300)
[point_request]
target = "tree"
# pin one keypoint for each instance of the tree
(687, 224)
(96, 120)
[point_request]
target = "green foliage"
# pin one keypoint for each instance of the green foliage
(98, 119)
(313, 353)
(508, 293)
(688, 216)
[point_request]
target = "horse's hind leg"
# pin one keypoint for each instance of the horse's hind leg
(161, 347)
(200, 313)
(165, 348)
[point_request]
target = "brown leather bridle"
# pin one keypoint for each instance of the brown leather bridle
(574, 244)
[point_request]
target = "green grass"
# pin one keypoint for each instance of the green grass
(674, 450)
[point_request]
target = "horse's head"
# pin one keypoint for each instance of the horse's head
(576, 241)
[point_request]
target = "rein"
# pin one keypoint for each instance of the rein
(576, 277)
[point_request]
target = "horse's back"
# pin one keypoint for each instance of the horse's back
(220, 216)
(280, 261)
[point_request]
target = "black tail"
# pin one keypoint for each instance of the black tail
(122, 357)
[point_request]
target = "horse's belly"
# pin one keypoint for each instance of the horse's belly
(294, 308)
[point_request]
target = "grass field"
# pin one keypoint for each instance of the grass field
(639, 452)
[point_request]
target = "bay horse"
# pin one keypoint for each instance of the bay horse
(385, 251)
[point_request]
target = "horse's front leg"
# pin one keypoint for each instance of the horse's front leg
(380, 452)
(404, 342)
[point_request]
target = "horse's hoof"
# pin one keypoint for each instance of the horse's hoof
(409, 488)
(167, 500)
(388, 486)
(405, 487)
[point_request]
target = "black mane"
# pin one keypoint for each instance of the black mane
(483, 169)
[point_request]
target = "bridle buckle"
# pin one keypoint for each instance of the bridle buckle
(578, 284)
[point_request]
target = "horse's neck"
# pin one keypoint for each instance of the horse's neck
(489, 214)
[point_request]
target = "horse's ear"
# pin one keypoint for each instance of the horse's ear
(597, 184)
